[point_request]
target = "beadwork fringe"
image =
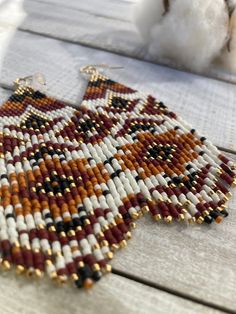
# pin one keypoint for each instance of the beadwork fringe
(74, 180)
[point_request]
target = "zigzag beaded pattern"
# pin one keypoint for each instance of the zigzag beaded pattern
(74, 180)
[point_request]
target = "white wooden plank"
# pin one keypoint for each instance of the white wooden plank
(115, 9)
(113, 294)
(83, 27)
(111, 28)
(209, 105)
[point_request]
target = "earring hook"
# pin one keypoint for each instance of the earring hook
(93, 68)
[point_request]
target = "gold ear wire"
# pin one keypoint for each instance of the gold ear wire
(29, 83)
(93, 68)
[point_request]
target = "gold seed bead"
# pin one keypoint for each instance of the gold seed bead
(157, 217)
(114, 247)
(30, 272)
(81, 264)
(20, 269)
(181, 217)
(128, 235)
(205, 213)
(200, 220)
(132, 225)
(109, 255)
(145, 209)
(168, 219)
(107, 268)
(62, 279)
(192, 220)
(38, 273)
(123, 243)
(135, 216)
(96, 267)
(74, 277)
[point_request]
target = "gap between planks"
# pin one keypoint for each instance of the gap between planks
(123, 54)
(171, 291)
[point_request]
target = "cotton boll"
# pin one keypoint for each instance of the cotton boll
(191, 34)
(146, 14)
(227, 60)
(231, 4)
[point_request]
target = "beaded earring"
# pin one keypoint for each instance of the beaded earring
(73, 180)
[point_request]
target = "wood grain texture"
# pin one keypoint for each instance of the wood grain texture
(209, 105)
(113, 294)
(112, 9)
(96, 30)
(110, 27)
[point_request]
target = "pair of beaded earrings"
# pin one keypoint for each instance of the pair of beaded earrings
(74, 180)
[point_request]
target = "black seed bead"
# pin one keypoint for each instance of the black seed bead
(188, 185)
(118, 172)
(176, 127)
(64, 185)
(83, 218)
(44, 150)
(224, 213)
(214, 214)
(126, 215)
(68, 225)
(110, 159)
(57, 189)
(202, 139)
(38, 189)
(81, 208)
(60, 226)
(9, 216)
(188, 167)
(85, 272)
(38, 155)
(137, 178)
(97, 275)
(3, 176)
(38, 95)
(51, 152)
(48, 215)
(208, 219)
(54, 178)
(50, 224)
(176, 180)
(113, 175)
(202, 153)
(76, 222)
(79, 283)
(106, 192)
(193, 131)
(17, 98)
(48, 187)
(161, 104)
